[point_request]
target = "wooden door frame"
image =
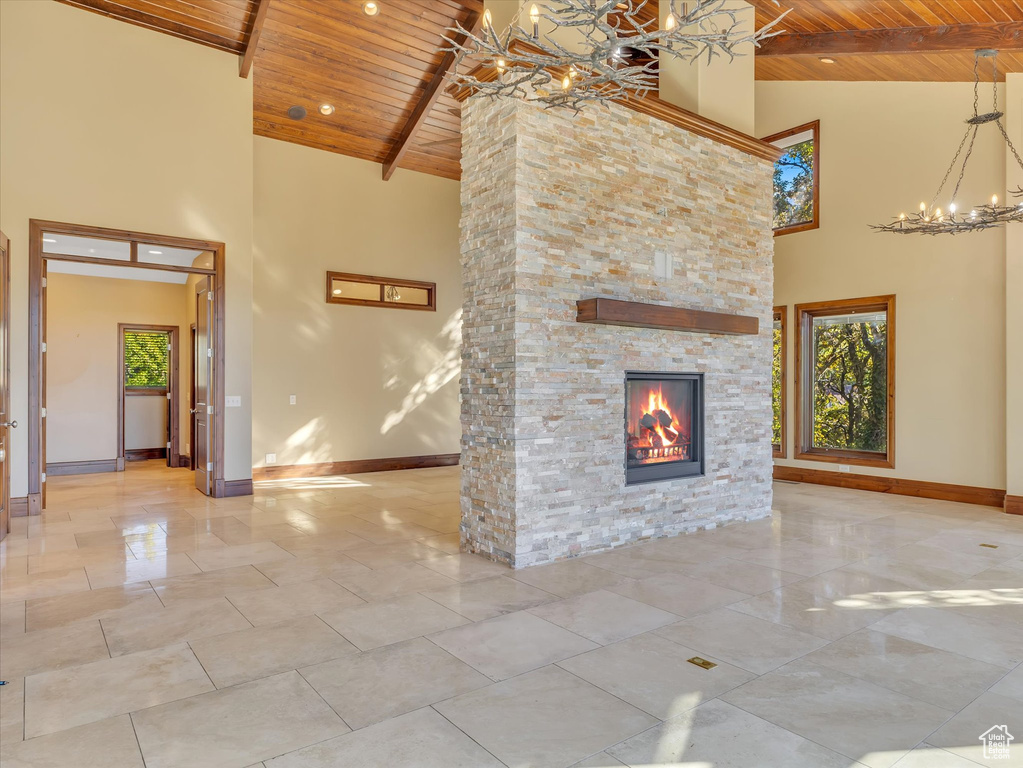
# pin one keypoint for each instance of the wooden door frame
(5, 320)
(36, 261)
(174, 417)
(191, 399)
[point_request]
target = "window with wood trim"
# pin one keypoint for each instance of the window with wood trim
(797, 179)
(370, 291)
(845, 381)
(778, 384)
(146, 360)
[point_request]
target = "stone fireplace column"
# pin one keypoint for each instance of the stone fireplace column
(609, 203)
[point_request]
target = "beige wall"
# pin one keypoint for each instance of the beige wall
(82, 314)
(884, 147)
(369, 382)
(1014, 299)
(109, 124)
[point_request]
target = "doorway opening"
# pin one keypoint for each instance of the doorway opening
(138, 410)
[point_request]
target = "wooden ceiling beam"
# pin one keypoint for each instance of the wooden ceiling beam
(253, 40)
(950, 37)
(429, 98)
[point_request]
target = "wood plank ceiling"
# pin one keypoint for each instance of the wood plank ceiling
(376, 70)
(860, 21)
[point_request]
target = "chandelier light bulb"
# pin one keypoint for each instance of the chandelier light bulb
(534, 16)
(994, 200)
(488, 20)
(937, 213)
(501, 64)
(566, 82)
(902, 217)
(923, 207)
(952, 208)
(669, 23)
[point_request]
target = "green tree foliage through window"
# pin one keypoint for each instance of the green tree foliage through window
(793, 185)
(145, 359)
(850, 382)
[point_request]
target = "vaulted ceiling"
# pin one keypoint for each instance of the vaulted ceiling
(382, 73)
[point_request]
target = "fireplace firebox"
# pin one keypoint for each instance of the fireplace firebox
(663, 426)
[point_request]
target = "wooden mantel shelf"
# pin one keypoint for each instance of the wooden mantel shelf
(638, 315)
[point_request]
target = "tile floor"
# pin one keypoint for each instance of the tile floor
(332, 622)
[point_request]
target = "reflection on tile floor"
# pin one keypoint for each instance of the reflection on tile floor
(332, 621)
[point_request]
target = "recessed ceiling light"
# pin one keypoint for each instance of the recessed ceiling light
(296, 112)
(337, 291)
(326, 109)
(157, 253)
(370, 9)
(827, 60)
(49, 239)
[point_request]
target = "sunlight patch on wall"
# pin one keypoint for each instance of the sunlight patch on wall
(442, 372)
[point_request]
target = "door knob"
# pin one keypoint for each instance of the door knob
(191, 411)
(11, 424)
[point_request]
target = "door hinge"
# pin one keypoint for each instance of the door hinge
(44, 282)
(168, 395)
(209, 466)
(168, 445)
(44, 346)
(169, 347)
(43, 477)
(209, 352)
(43, 412)
(209, 295)
(209, 409)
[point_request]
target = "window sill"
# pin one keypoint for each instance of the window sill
(796, 228)
(858, 458)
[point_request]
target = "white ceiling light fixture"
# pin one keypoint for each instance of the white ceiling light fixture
(326, 109)
(370, 9)
(156, 253)
(826, 60)
(49, 239)
(616, 57)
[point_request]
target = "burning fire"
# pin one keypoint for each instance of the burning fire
(657, 433)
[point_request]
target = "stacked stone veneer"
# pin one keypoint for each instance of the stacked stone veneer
(557, 208)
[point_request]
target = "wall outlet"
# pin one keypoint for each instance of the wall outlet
(233, 401)
(271, 458)
(843, 467)
(292, 399)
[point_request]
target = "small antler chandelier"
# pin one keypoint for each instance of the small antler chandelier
(931, 220)
(597, 50)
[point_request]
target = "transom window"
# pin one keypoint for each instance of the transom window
(845, 381)
(797, 179)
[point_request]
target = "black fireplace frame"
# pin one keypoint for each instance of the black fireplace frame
(670, 470)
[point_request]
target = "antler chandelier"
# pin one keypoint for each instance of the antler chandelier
(597, 50)
(931, 220)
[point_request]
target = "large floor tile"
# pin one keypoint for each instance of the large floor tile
(12, 713)
(804, 557)
(544, 719)
(985, 634)
(740, 575)
(858, 719)
(722, 736)
(944, 679)
(384, 555)
(1011, 685)
(466, 567)
(511, 644)
(961, 735)
(384, 622)
(271, 606)
(130, 600)
(241, 554)
(376, 685)
(310, 567)
(159, 567)
(179, 622)
(249, 654)
(678, 594)
(227, 581)
(654, 674)
(811, 613)
(237, 726)
(604, 617)
(17, 588)
(928, 756)
(102, 744)
(747, 642)
(63, 699)
(568, 579)
(393, 581)
(12, 619)
(422, 739)
(52, 649)
(486, 598)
